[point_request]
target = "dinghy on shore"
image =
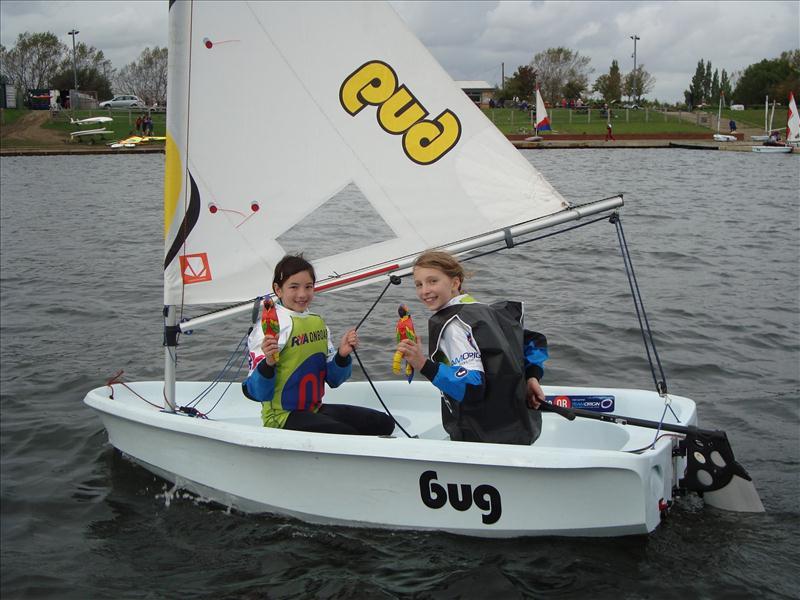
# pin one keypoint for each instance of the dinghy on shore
(792, 133)
(378, 119)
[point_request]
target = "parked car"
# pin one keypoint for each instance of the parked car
(125, 101)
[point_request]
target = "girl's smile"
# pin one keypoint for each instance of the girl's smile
(435, 288)
(296, 292)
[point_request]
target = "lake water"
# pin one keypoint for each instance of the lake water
(715, 240)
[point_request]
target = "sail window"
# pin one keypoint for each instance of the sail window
(319, 234)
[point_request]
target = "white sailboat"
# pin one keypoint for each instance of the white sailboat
(722, 137)
(541, 120)
(793, 123)
(90, 121)
(792, 132)
(767, 123)
(379, 116)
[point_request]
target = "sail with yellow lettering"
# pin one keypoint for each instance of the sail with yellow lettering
(275, 108)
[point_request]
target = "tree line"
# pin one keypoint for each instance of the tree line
(42, 61)
(563, 74)
(770, 77)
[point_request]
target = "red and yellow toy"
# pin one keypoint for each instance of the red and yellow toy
(269, 321)
(405, 331)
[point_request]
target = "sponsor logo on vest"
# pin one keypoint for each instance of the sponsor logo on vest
(399, 112)
(461, 497)
(465, 357)
(311, 336)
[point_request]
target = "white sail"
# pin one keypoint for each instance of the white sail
(275, 107)
(792, 122)
(542, 120)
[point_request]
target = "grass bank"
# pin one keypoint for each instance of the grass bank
(593, 122)
(26, 128)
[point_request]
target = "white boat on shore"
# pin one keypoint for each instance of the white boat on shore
(792, 133)
(380, 118)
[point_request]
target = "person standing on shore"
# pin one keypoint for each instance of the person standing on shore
(609, 135)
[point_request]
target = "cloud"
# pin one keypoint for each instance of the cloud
(473, 39)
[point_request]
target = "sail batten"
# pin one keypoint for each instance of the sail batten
(279, 124)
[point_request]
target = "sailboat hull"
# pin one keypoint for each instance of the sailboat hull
(579, 479)
(772, 149)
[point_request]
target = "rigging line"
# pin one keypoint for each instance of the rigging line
(197, 399)
(638, 313)
(641, 300)
(374, 389)
(230, 383)
(393, 279)
(641, 315)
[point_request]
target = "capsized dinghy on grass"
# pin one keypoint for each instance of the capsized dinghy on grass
(360, 105)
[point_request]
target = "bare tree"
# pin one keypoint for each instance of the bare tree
(33, 61)
(557, 68)
(146, 77)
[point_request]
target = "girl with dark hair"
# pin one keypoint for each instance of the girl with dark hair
(289, 370)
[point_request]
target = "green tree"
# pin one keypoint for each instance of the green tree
(609, 85)
(725, 85)
(93, 71)
(707, 82)
(792, 81)
(521, 84)
(638, 83)
(33, 61)
(557, 68)
(145, 77)
(715, 88)
(694, 95)
(769, 77)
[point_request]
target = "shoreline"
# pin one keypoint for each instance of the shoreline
(684, 141)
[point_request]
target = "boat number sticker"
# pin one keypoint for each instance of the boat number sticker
(461, 496)
(595, 403)
(375, 83)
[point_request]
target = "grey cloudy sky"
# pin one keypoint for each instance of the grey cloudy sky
(472, 39)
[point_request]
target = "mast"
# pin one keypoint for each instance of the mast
(771, 116)
(766, 110)
(170, 346)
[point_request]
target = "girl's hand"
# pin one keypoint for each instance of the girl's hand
(412, 353)
(349, 343)
(269, 346)
(535, 393)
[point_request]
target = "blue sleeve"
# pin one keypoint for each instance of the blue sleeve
(339, 369)
(458, 383)
(535, 348)
(260, 384)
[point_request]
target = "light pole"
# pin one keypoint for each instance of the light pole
(73, 33)
(634, 37)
